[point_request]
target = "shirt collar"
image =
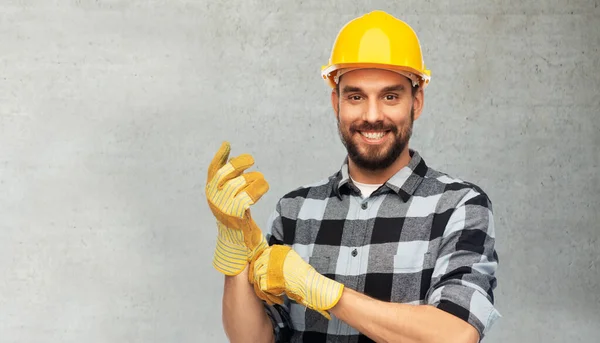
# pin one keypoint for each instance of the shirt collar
(404, 183)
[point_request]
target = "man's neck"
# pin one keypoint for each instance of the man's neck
(378, 176)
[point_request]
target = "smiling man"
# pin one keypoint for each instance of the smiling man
(386, 249)
(375, 110)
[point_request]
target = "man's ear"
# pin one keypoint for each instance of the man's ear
(418, 102)
(335, 103)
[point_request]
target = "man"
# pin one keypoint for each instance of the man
(387, 249)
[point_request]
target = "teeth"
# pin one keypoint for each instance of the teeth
(373, 135)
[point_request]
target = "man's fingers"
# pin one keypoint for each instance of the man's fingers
(267, 297)
(234, 168)
(257, 276)
(271, 299)
(258, 292)
(229, 200)
(252, 266)
(219, 160)
(256, 187)
(225, 199)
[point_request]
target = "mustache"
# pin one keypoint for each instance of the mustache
(377, 126)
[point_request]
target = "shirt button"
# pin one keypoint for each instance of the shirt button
(354, 253)
(364, 205)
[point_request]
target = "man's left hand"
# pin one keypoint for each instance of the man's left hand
(279, 270)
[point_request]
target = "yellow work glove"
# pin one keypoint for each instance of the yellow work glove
(279, 270)
(230, 193)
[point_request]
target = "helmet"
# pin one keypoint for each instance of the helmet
(377, 40)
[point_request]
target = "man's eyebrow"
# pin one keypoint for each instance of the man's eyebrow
(350, 89)
(394, 88)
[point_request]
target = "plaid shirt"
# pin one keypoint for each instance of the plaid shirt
(421, 238)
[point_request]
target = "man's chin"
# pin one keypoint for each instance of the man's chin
(370, 164)
(374, 157)
(368, 150)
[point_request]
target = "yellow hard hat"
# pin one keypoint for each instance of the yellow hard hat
(377, 40)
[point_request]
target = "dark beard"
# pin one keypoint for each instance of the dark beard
(374, 160)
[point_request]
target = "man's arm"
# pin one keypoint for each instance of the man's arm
(393, 322)
(461, 298)
(460, 303)
(244, 316)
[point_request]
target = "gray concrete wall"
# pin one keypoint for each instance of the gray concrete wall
(111, 110)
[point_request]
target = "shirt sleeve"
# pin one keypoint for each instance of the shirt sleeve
(464, 274)
(278, 314)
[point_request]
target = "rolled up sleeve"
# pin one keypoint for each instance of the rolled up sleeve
(464, 275)
(280, 319)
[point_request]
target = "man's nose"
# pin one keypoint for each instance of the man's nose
(373, 112)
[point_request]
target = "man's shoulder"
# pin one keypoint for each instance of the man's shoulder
(312, 196)
(441, 183)
(320, 189)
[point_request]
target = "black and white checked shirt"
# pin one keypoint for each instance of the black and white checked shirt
(421, 238)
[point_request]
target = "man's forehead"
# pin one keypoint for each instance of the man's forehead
(373, 79)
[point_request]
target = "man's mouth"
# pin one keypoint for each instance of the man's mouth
(373, 136)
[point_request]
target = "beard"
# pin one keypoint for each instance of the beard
(375, 158)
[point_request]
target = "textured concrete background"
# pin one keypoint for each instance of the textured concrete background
(111, 110)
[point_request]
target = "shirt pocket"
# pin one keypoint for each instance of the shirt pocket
(410, 262)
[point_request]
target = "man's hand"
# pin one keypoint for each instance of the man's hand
(230, 193)
(279, 270)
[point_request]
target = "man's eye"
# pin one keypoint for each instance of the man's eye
(391, 97)
(355, 97)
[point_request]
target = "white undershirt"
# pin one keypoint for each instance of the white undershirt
(366, 189)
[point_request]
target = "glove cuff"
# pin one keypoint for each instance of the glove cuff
(323, 293)
(229, 258)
